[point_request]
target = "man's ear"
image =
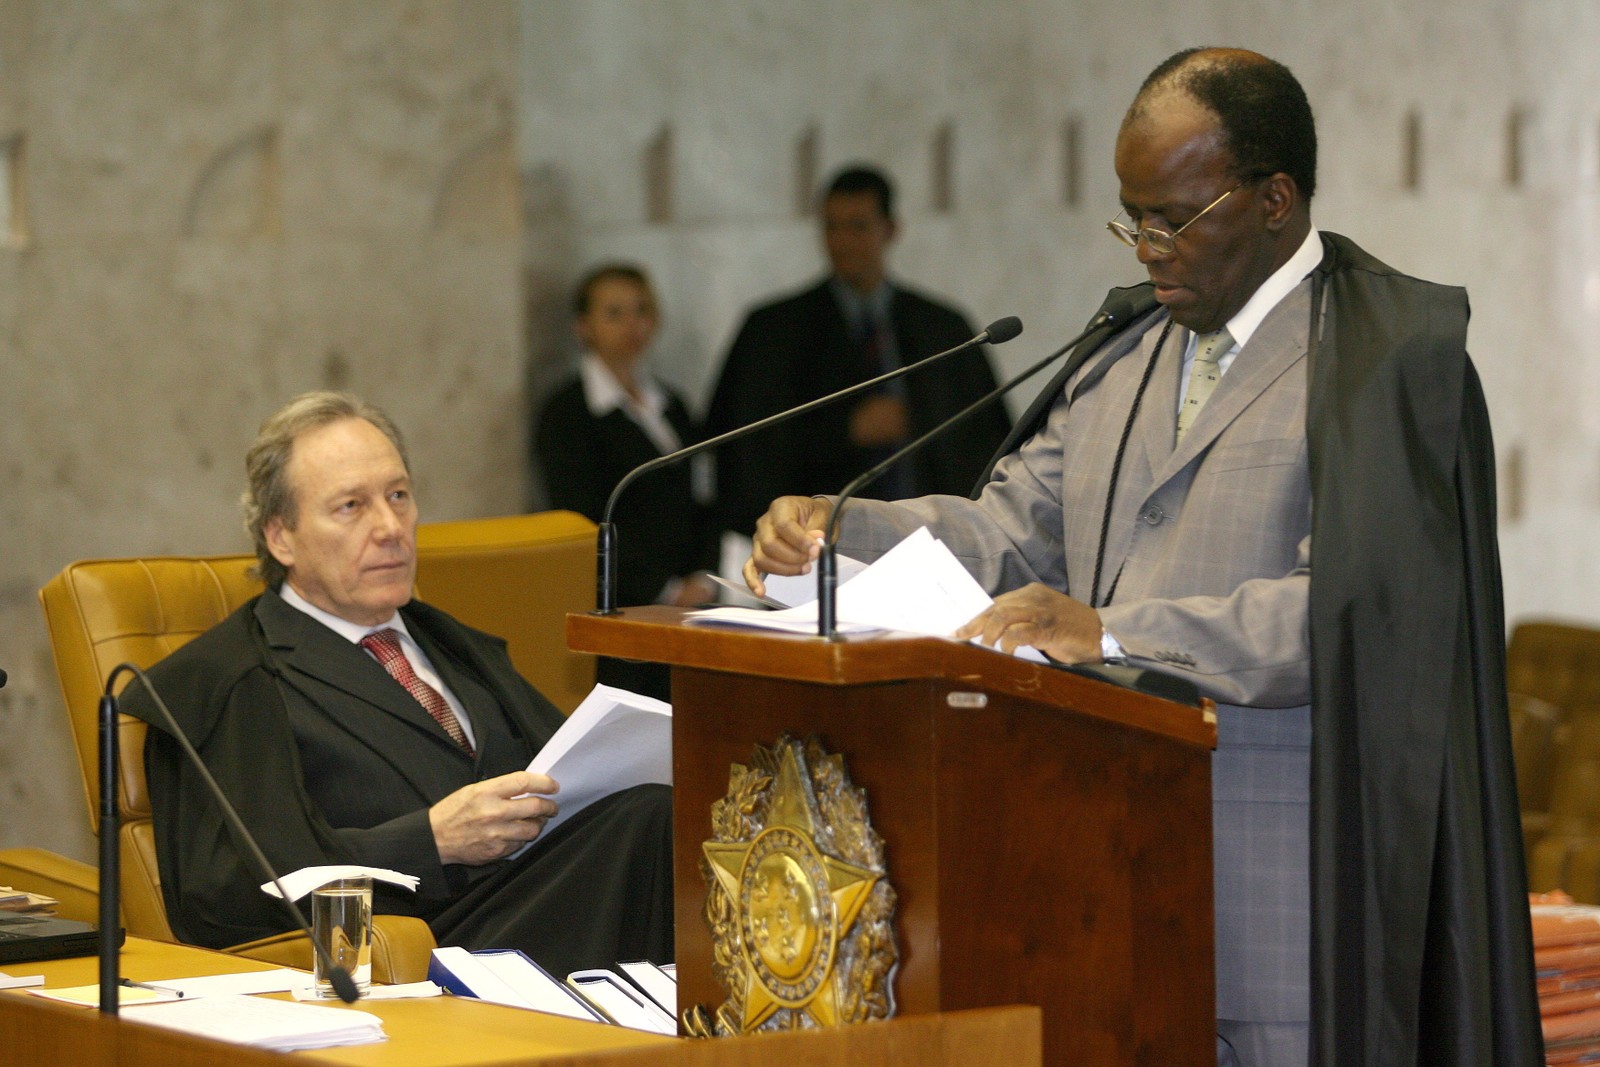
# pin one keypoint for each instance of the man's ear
(279, 543)
(1278, 195)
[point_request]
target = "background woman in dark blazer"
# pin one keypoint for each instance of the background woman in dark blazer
(613, 416)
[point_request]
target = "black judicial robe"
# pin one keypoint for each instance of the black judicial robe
(1422, 949)
(329, 760)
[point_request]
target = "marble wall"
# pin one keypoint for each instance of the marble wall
(213, 207)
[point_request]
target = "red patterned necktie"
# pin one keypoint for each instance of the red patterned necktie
(385, 644)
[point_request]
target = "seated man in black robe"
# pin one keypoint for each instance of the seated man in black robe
(331, 756)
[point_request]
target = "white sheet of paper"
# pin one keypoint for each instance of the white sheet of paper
(276, 1024)
(613, 740)
(792, 589)
(127, 996)
(917, 587)
(219, 985)
(20, 981)
(796, 620)
(306, 879)
(307, 990)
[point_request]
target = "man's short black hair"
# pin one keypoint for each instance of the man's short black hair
(1264, 112)
(859, 178)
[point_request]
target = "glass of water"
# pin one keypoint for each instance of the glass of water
(341, 921)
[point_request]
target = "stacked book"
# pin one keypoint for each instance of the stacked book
(1566, 953)
(33, 903)
(640, 995)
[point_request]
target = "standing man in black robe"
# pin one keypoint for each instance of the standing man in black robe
(1277, 482)
(334, 749)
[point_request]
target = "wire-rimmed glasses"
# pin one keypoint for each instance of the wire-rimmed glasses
(1160, 241)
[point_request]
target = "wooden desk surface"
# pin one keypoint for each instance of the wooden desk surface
(461, 1032)
(434, 1032)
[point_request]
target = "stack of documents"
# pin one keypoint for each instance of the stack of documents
(20, 900)
(506, 977)
(613, 741)
(646, 1000)
(280, 1025)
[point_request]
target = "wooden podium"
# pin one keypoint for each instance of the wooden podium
(1049, 835)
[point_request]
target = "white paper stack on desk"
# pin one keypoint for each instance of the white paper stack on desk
(280, 1025)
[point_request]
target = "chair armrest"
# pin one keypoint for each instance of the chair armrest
(402, 945)
(74, 883)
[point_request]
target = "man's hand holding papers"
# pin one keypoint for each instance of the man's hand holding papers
(916, 587)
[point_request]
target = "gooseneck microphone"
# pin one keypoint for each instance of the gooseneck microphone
(1118, 311)
(998, 333)
(338, 977)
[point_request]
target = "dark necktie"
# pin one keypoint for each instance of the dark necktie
(385, 644)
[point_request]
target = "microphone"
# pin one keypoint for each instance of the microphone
(338, 977)
(998, 332)
(1120, 309)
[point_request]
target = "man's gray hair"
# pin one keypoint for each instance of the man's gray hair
(268, 494)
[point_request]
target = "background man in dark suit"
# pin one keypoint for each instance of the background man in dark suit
(331, 756)
(853, 325)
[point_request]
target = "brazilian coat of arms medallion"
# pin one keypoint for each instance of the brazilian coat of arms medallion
(799, 905)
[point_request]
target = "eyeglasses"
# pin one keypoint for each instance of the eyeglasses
(1160, 241)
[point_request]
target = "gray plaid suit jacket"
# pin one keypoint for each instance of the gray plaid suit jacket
(1210, 546)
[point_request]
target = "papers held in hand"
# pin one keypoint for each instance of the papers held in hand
(916, 587)
(615, 740)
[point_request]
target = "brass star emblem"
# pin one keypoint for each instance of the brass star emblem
(793, 903)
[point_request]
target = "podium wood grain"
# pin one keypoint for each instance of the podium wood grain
(1051, 846)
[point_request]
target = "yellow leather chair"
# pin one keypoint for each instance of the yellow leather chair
(1568, 855)
(1551, 669)
(1556, 662)
(517, 577)
(1538, 739)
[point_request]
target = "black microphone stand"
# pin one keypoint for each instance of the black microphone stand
(998, 332)
(110, 854)
(343, 985)
(1117, 315)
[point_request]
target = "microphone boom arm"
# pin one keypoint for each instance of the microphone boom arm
(1116, 316)
(998, 332)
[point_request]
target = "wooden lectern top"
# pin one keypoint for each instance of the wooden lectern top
(660, 634)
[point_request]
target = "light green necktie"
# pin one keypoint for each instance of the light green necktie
(1203, 376)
